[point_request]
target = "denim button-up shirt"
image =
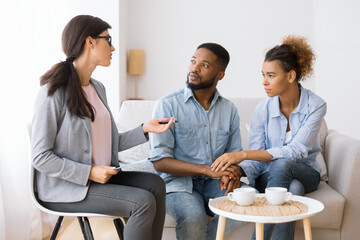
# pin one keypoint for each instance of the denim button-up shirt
(198, 137)
(268, 130)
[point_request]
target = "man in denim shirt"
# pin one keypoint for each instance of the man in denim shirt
(207, 127)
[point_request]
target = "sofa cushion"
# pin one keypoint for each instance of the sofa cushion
(322, 164)
(334, 202)
(134, 112)
(135, 154)
(245, 108)
(322, 135)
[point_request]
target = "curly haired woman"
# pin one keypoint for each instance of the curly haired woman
(284, 129)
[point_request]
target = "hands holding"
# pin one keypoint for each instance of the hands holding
(228, 162)
(154, 125)
(102, 174)
(229, 184)
(231, 181)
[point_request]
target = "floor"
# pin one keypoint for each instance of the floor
(102, 228)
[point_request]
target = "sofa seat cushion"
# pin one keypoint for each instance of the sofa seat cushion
(331, 216)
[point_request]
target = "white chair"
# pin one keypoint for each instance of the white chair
(82, 217)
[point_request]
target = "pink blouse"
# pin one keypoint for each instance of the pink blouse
(100, 129)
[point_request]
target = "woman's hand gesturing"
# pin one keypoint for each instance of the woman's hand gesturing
(157, 125)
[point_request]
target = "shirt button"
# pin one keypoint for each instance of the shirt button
(86, 151)
(205, 125)
(208, 158)
(206, 142)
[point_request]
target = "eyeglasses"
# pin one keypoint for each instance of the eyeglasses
(107, 38)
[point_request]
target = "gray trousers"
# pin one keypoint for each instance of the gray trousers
(140, 196)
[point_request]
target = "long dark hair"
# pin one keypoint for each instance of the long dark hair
(64, 74)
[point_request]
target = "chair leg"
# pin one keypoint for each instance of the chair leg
(88, 229)
(56, 228)
(119, 228)
(81, 223)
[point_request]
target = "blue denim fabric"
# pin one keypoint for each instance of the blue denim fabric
(191, 211)
(298, 178)
(198, 137)
(268, 130)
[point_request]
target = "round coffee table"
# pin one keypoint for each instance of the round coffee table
(314, 207)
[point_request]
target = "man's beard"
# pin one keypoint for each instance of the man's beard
(201, 85)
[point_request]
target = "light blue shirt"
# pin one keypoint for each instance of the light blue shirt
(268, 132)
(198, 137)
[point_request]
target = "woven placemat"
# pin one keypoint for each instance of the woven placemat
(261, 207)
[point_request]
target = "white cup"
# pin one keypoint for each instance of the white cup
(277, 195)
(243, 196)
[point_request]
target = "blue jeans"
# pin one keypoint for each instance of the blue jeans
(191, 211)
(298, 178)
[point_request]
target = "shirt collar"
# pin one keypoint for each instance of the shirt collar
(188, 93)
(275, 107)
(301, 108)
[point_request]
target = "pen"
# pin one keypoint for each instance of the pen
(166, 122)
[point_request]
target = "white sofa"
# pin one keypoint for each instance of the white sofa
(340, 194)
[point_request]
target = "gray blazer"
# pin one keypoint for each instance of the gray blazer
(61, 147)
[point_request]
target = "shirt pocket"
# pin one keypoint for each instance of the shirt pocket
(187, 143)
(222, 138)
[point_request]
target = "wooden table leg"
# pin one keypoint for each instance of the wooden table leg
(259, 231)
(307, 229)
(221, 228)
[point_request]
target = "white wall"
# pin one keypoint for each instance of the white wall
(169, 31)
(338, 49)
(30, 44)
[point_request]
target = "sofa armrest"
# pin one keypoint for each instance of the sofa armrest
(342, 155)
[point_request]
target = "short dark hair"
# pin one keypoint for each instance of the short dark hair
(219, 51)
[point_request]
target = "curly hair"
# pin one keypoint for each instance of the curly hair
(293, 54)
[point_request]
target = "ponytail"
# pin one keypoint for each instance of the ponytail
(64, 75)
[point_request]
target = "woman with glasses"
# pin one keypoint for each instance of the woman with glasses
(284, 129)
(75, 141)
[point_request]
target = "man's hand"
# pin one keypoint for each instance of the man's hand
(228, 184)
(235, 170)
(102, 174)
